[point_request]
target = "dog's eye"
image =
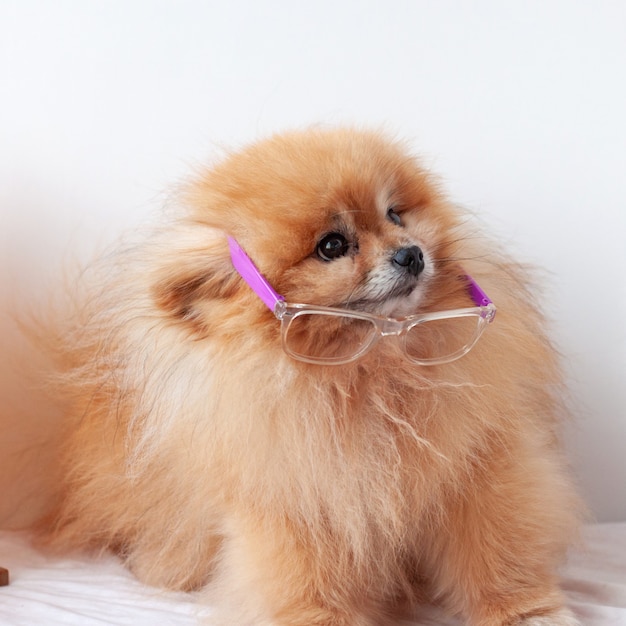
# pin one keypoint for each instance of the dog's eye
(332, 246)
(392, 216)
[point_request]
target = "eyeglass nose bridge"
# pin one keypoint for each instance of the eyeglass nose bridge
(391, 328)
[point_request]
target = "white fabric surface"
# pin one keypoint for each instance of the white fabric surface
(81, 591)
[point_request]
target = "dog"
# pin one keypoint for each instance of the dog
(318, 395)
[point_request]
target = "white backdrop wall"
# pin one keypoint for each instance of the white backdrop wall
(520, 106)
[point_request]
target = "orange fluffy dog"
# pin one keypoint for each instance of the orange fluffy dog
(286, 397)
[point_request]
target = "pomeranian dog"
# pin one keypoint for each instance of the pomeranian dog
(298, 397)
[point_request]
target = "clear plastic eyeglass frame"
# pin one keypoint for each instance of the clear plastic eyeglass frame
(367, 329)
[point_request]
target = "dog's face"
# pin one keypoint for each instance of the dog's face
(365, 250)
(341, 219)
(337, 218)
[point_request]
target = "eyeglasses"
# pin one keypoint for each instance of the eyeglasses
(333, 336)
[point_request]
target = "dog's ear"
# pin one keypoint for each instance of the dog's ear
(191, 279)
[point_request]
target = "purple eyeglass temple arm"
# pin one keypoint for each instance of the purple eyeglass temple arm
(249, 272)
(479, 297)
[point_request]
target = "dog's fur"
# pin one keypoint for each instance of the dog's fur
(301, 494)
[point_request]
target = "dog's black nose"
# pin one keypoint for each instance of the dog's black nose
(409, 259)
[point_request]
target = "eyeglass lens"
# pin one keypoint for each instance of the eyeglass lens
(441, 338)
(328, 337)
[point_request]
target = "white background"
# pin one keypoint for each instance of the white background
(520, 106)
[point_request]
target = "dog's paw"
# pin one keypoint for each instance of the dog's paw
(564, 617)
